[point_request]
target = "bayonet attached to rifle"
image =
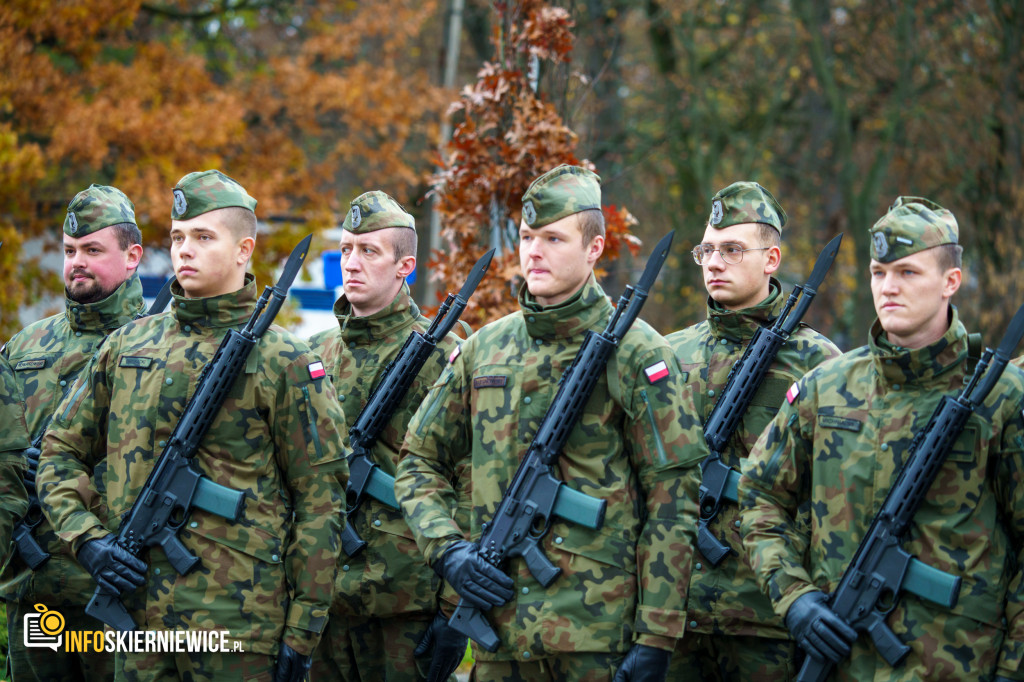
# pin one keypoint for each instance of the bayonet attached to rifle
(524, 515)
(365, 476)
(718, 481)
(176, 485)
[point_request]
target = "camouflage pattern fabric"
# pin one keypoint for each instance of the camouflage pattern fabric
(704, 657)
(818, 475)
(47, 356)
(589, 667)
(204, 191)
(636, 446)
(912, 224)
(278, 437)
(195, 667)
(372, 211)
(96, 208)
(560, 192)
(372, 648)
(390, 578)
(727, 600)
(13, 441)
(745, 202)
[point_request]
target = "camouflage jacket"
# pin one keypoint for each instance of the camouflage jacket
(13, 441)
(727, 599)
(818, 475)
(636, 446)
(47, 356)
(390, 576)
(278, 437)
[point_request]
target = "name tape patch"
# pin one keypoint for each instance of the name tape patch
(30, 364)
(136, 362)
(833, 422)
(490, 382)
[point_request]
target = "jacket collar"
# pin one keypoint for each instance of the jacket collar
(397, 315)
(920, 366)
(587, 309)
(121, 307)
(740, 325)
(215, 312)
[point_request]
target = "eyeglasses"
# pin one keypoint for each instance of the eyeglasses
(731, 253)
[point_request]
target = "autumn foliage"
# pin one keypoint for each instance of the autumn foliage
(505, 135)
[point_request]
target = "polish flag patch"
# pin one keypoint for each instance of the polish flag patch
(656, 372)
(455, 354)
(316, 370)
(793, 393)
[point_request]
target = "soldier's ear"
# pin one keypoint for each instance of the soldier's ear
(952, 280)
(594, 249)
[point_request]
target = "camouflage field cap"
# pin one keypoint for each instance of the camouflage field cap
(95, 208)
(912, 224)
(374, 211)
(560, 192)
(745, 202)
(204, 191)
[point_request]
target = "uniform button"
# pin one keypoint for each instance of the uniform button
(169, 381)
(724, 341)
(526, 590)
(558, 541)
(538, 341)
(895, 387)
(274, 557)
(527, 400)
(157, 571)
(693, 623)
(63, 382)
(711, 392)
(736, 523)
(162, 443)
(376, 522)
(188, 327)
(699, 566)
(531, 318)
(345, 567)
(526, 654)
(341, 397)
(885, 446)
(78, 333)
(194, 524)
(352, 344)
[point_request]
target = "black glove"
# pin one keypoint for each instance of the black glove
(644, 664)
(821, 633)
(31, 467)
(114, 568)
(291, 665)
(445, 645)
(482, 585)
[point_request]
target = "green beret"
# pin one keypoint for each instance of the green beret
(201, 192)
(560, 192)
(374, 211)
(745, 202)
(911, 224)
(95, 208)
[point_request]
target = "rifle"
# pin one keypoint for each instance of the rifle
(176, 485)
(523, 516)
(25, 543)
(871, 586)
(719, 481)
(365, 476)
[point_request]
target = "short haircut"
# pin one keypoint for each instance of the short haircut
(949, 256)
(240, 221)
(403, 242)
(128, 234)
(768, 235)
(591, 224)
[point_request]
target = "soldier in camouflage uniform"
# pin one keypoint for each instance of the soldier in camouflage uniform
(102, 251)
(819, 473)
(387, 596)
(13, 442)
(732, 632)
(618, 606)
(268, 578)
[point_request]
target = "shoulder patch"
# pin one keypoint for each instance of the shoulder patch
(455, 354)
(833, 422)
(135, 361)
(793, 393)
(490, 382)
(316, 370)
(656, 372)
(39, 363)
